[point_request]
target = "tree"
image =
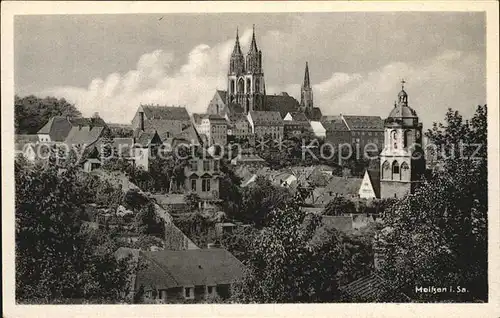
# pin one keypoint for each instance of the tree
(192, 200)
(55, 259)
(260, 199)
(147, 223)
(339, 206)
(31, 112)
(438, 235)
(296, 259)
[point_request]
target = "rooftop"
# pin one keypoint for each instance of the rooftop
(165, 112)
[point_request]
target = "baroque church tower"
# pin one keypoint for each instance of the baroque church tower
(402, 162)
(306, 93)
(246, 85)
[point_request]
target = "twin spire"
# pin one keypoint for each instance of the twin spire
(253, 44)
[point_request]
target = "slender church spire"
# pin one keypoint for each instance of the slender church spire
(253, 45)
(237, 47)
(307, 82)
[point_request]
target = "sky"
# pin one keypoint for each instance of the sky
(110, 64)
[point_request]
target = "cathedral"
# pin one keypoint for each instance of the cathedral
(246, 88)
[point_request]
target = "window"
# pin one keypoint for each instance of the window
(194, 165)
(193, 185)
(188, 292)
(395, 168)
(369, 133)
(205, 185)
(210, 290)
(216, 165)
(206, 165)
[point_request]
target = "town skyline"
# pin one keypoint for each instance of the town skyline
(167, 68)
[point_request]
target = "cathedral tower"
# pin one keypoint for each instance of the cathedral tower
(246, 85)
(402, 161)
(306, 93)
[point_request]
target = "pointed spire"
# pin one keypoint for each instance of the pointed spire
(237, 47)
(307, 82)
(253, 45)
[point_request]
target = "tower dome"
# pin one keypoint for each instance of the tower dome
(402, 113)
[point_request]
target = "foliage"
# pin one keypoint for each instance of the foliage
(294, 259)
(192, 200)
(146, 221)
(55, 259)
(259, 200)
(229, 189)
(339, 206)
(135, 200)
(31, 113)
(199, 228)
(438, 235)
(239, 241)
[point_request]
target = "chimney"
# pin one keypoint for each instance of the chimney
(141, 119)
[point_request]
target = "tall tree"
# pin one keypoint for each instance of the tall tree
(438, 235)
(31, 112)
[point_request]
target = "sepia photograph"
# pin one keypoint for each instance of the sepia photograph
(167, 158)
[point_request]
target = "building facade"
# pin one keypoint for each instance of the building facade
(246, 86)
(402, 161)
(202, 177)
(214, 127)
(266, 124)
(167, 121)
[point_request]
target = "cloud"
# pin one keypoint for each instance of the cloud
(117, 97)
(451, 78)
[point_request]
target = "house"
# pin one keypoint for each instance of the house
(219, 106)
(167, 121)
(84, 136)
(238, 125)
(58, 128)
(339, 186)
(176, 276)
(214, 127)
(283, 179)
(266, 124)
(295, 123)
(318, 129)
(91, 164)
(337, 132)
(370, 186)
(365, 130)
(248, 159)
(202, 176)
(26, 146)
(222, 229)
(189, 136)
(146, 147)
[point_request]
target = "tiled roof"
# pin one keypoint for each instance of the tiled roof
(233, 117)
(146, 138)
(190, 135)
(364, 122)
(211, 117)
(190, 268)
(339, 222)
(235, 108)
(317, 126)
(374, 175)
(334, 125)
(367, 287)
(299, 117)
(266, 118)
(165, 112)
(57, 128)
(83, 135)
(222, 94)
(283, 104)
(339, 186)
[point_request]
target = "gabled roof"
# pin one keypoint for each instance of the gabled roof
(165, 112)
(83, 135)
(234, 117)
(338, 186)
(190, 268)
(213, 118)
(364, 122)
(283, 104)
(334, 125)
(190, 135)
(317, 126)
(266, 118)
(57, 128)
(147, 138)
(299, 117)
(374, 175)
(222, 94)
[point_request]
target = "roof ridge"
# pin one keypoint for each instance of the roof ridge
(159, 265)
